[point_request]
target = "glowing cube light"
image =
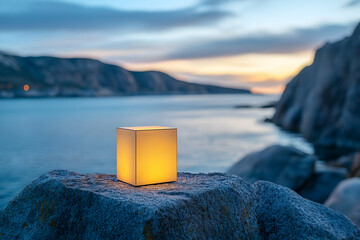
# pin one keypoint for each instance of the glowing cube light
(146, 155)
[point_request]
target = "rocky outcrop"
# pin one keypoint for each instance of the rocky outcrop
(292, 168)
(51, 77)
(345, 199)
(67, 205)
(322, 101)
(349, 162)
(355, 166)
(322, 183)
(282, 165)
(345, 162)
(266, 105)
(282, 214)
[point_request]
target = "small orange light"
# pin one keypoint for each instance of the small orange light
(26, 87)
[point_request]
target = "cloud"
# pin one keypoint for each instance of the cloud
(238, 81)
(54, 16)
(352, 3)
(289, 42)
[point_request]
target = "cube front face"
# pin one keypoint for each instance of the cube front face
(146, 155)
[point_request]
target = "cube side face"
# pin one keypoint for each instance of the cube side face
(156, 156)
(125, 156)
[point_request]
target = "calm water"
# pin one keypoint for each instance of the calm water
(38, 135)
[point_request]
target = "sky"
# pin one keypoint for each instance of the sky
(257, 44)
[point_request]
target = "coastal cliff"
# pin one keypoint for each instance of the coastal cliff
(322, 101)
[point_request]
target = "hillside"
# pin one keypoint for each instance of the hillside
(63, 77)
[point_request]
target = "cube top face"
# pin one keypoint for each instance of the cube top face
(146, 155)
(144, 128)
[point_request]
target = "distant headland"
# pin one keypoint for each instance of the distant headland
(84, 77)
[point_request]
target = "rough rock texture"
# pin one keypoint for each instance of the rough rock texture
(51, 77)
(322, 101)
(346, 199)
(282, 214)
(322, 183)
(67, 205)
(286, 166)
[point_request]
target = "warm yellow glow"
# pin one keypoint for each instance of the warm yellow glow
(26, 87)
(259, 65)
(247, 67)
(146, 155)
(268, 90)
(125, 155)
(146, 128)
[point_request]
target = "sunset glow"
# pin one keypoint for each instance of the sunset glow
(222, 42)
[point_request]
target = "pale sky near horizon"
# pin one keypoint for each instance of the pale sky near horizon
(258, 44)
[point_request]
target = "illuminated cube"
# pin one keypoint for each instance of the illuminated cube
(146, 155)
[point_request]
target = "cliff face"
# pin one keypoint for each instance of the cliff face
(51, 77)
(323, 101)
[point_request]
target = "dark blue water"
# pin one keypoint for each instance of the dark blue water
(38, 135)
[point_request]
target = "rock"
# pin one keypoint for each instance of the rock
(68, 205)
(269, 105)
(52, 77)
(265, 105)
(267, 120)
(350, 162)
(343, 162)
(245, 106)
(345, 199)
(282, 165)
(322, 101)
(283, 214)
(322, 183)
(355, 166)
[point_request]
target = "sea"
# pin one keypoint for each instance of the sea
(79, 134)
